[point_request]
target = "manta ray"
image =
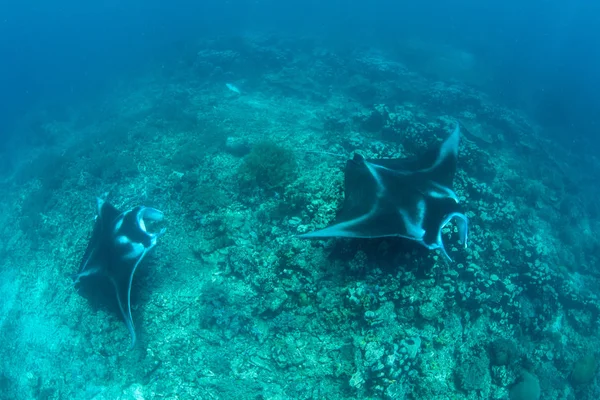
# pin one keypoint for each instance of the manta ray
(407, 198)
(119, 242)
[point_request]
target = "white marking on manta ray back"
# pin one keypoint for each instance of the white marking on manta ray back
(136, 250)
(122, 240)
(399, 172)
(118, 223)
(373, 170)
(99, 204)
(442, 192)
(414, 226)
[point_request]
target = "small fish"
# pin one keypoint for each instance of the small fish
(233, 88)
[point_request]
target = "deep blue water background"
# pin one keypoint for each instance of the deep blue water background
(543, 55)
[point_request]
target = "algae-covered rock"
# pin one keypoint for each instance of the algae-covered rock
(527, 389)
(237, 146)
(584, 370)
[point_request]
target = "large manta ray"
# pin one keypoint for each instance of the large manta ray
(119, 242)
(408, 198)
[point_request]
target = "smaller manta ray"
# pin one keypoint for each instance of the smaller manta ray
(408, 198)
(118, 244)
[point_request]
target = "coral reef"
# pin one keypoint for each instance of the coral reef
(233, 305)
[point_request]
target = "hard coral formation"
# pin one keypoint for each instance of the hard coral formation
(269, 166)
(503, 351)
(473, 373)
